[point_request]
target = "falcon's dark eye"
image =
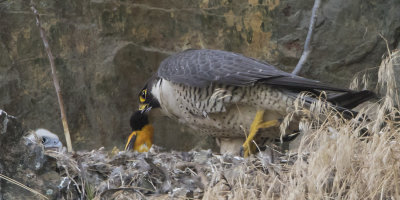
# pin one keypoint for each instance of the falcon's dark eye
(142, 96)
(44, 140)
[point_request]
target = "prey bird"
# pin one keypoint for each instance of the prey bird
(141, 138)
(227, 95)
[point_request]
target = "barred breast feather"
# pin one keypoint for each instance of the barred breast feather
(220, 110)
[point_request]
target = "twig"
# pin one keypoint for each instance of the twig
(307, 49)
(22, 185)
(55, 79)
(72, 179)
(199, 170)
(387, 46)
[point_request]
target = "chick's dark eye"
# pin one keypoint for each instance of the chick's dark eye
(44, 140)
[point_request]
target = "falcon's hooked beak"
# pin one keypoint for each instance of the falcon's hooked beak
(147, 101)
(144, 108)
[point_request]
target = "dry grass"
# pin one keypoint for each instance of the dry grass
(331, 162)
(19, 184)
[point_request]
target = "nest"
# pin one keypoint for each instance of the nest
(100, 175)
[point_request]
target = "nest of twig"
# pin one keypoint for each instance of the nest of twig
(154, 174)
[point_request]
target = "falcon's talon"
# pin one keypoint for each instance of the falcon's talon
(268, 124)
(255, 126)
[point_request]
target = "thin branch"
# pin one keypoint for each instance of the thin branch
(55, 79)
(307, 49)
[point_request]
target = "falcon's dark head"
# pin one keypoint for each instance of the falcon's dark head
(147, 100)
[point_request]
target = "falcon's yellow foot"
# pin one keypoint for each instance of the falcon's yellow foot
(248, 146)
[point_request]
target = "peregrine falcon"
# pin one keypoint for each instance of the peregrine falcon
(141, 138)
(226, 94)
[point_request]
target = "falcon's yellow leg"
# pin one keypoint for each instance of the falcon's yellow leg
(248, 146)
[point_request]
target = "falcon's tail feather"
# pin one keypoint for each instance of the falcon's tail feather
(350, 100)
(342, 102)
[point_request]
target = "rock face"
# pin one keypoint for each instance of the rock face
(105, 50)
(26, 164)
